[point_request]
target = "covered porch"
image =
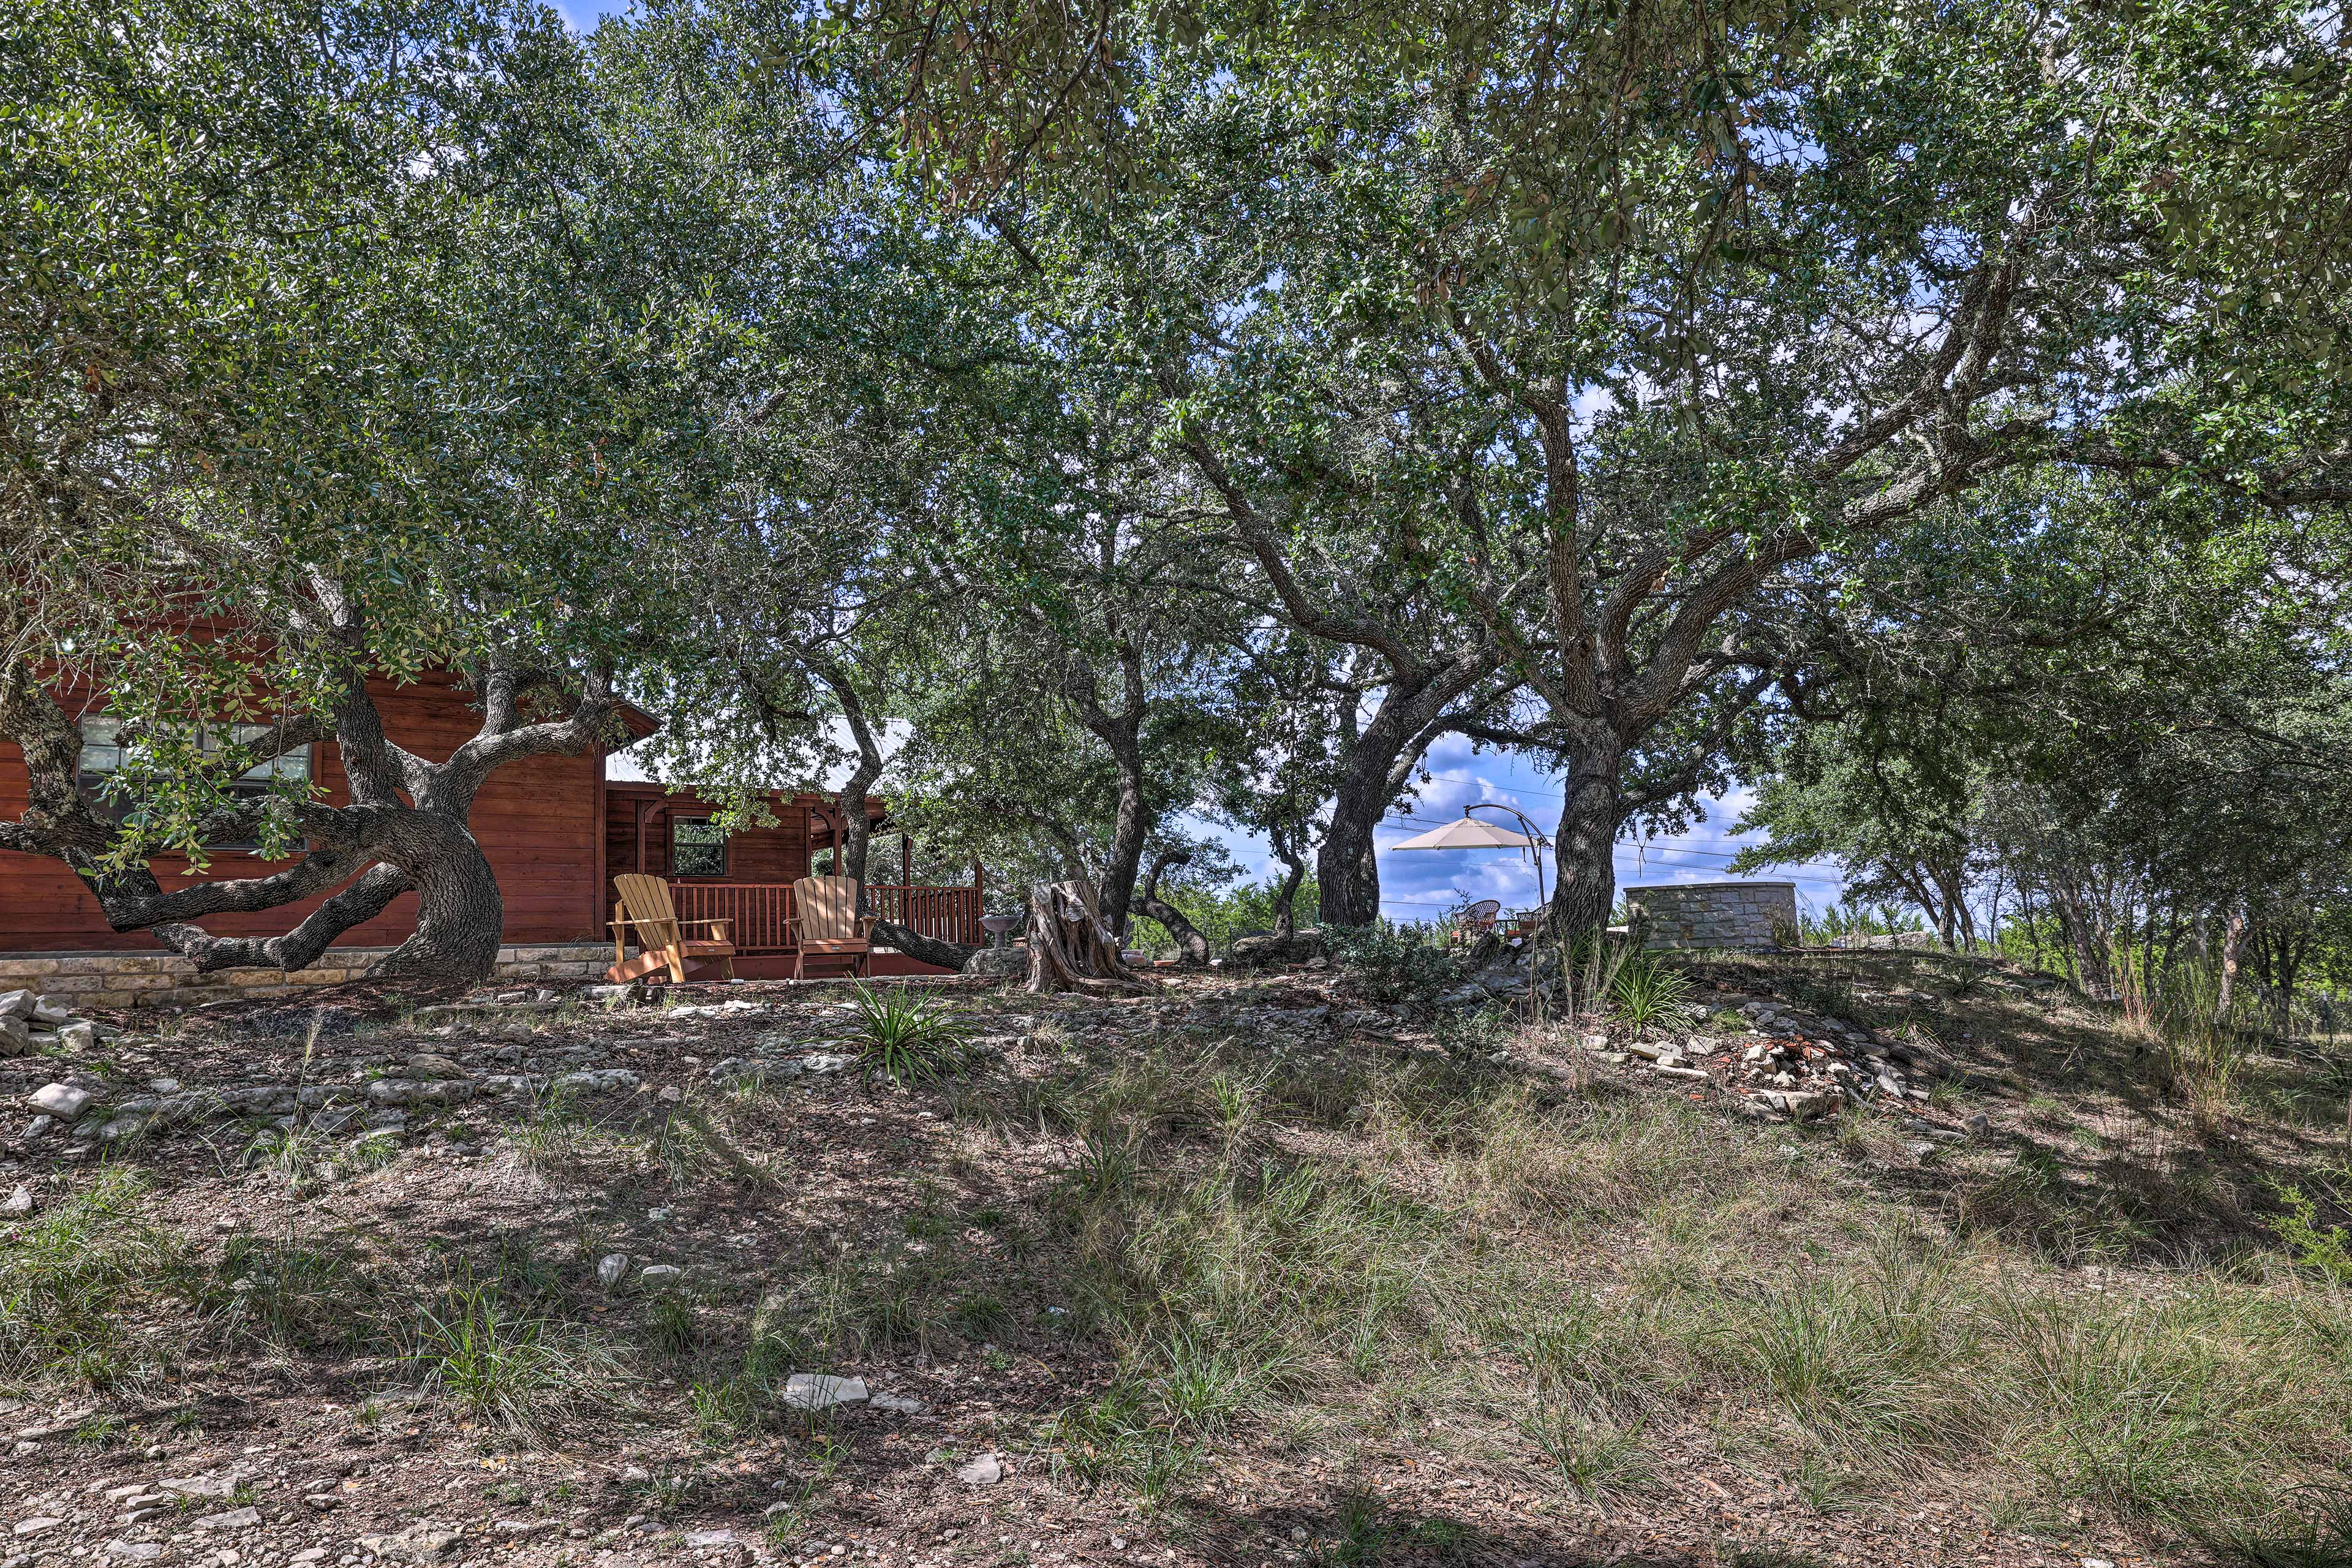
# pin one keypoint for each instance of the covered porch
(745, 879)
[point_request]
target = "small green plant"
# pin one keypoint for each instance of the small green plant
(670, 1324)
(1115, 1440)
(1589, 967)
(554, 1132)
(1646, 995)
(666, 1490)
(98, 1431)
(1106, 1160)
(1596, 1454)
(69, 1278)
(500, 1366)
(908, 1038)
(1359, 1534)
(1472, 1032)
(723, 1411)
(2326, 1250)
(293, 1293)
(1236, 1097)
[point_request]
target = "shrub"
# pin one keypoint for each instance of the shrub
(300, 1294)
(1595, 1453)
(2323, 1249)
(70, 1278)
(1394, 964)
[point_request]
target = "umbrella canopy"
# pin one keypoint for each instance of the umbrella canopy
(1469, 832)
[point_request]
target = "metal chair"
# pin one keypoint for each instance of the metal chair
(1476, 921)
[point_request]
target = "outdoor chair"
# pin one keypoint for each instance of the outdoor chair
(644, 907)
(828, 925)
(1476, 921)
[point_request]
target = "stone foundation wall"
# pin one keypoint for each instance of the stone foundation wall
(1719, 914)
(1921, 940)
(166, 980)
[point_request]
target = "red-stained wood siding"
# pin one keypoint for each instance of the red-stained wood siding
(778, 854)
(536, 820)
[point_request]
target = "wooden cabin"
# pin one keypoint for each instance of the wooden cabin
(745, 878)
(555, 830)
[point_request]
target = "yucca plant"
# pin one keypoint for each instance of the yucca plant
(908, 1038)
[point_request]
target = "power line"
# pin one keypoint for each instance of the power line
(1513, 789)
(1648, 848)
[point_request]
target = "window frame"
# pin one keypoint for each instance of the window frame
(724, 845)
(251, 784)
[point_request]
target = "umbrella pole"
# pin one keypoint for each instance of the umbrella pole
(1536, 840)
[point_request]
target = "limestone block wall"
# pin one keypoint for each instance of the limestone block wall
(1901, 939)
(1718, 915)
(167, 980)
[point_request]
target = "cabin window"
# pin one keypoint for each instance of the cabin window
(102, 756)
(698, 847)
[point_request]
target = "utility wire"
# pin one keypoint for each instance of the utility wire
(1646, 849)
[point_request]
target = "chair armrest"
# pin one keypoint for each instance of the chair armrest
(866, 924)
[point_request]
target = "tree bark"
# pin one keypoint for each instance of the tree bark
(1121, 733)
(857, 827)
(1413, 713)
(1285, 898)
(1127, 833)
(1192, 948)
(1347, 877)
(406, 827)
(924, 948)
(1585, 847)
(2225, 995)
(1070, 946)
(460, 918)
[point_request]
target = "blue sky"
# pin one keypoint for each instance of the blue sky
(1421, 884)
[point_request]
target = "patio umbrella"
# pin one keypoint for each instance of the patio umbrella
(1469, 832)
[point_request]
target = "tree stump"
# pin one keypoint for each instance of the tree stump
(1070, 948)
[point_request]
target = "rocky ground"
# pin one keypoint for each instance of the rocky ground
(616, 1277)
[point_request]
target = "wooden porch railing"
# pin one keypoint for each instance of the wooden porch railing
(760, 914)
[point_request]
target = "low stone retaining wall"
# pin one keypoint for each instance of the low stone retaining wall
(167, 980)
(1719, 914)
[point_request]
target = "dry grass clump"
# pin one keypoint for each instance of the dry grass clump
(1585, 1285)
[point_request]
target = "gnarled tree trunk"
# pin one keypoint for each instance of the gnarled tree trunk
(406, 827)
(1192, 946)
(1070, 947)
(923, 949)
(1285, 898)
(856, 826)
(460, 918)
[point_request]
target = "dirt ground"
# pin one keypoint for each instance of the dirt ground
(355, 1299)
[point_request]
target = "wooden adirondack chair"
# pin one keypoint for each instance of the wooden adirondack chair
(827, 924)
(662, 942)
